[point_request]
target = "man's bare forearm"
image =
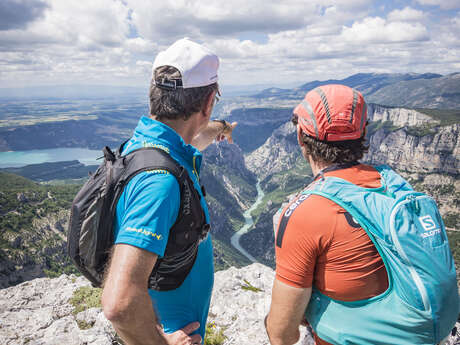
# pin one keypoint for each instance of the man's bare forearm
(125, 299)
(137, 324)
(205, 138)
(286, 313)
(287, 336)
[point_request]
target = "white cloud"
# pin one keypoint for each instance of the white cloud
(377, 30)
(166, 20)
(163, 20)
(407, 14)
(260, 41)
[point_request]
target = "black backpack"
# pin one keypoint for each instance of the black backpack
(90, 235)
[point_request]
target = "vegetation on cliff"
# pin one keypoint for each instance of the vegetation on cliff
(32, 229)
(34, 218)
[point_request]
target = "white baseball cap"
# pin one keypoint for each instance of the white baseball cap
(197, 65)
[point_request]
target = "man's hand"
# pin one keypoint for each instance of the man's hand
(215, 130)
(227, 132)
(182, 337)
(286, 313)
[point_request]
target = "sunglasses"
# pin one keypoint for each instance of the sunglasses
(294, 119)
(217, 96)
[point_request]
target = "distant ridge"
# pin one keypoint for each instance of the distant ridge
(428, 90)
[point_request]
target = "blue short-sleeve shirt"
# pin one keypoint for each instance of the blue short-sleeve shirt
(146, 211)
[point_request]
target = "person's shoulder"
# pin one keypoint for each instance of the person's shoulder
(306, 214)
(311, 205)
(362, 175)
(154, 182)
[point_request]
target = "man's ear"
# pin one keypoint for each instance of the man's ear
(299, 136)
(207, 107)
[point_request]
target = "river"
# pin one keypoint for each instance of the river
(249, 222)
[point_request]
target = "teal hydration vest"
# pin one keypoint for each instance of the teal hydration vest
(421, 304)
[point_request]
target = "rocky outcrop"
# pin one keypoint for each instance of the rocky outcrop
(278, 153)
(31, 253)
(438, 152)
(406, 145)
(241, 299)
(229, 184)
(38, 312)
(400, 117)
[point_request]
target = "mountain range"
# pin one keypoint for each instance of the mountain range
(411, 90)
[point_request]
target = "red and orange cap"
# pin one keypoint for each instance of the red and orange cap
(332, 113)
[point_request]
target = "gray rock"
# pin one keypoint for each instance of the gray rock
(38, 312)
(241, 311)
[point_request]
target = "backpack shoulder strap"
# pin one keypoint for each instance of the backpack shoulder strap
(145, 159)
(395, 184)
(150, 158)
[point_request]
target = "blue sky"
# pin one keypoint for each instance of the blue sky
(113, 42)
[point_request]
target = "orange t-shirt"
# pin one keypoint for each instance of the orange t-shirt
(318, 243)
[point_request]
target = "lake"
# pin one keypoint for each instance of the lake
(21, 158)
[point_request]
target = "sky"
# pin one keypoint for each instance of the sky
(259, 42)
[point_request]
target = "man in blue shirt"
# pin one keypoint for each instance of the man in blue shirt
(182, 95)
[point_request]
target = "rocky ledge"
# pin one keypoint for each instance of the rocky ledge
(39, 312)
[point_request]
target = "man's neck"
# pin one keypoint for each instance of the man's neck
(317, 166)
(185, 128)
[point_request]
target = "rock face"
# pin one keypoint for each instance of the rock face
(278, 153)
(231, 169)
(241, 311)
(32, 252)
(38, 312)
(398, 116)
(400, 146)
(229, 184)
(439, 152)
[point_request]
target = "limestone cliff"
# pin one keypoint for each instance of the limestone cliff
(398, 116)
(34, 252)
(403, 138)
(277, 154)
(438, 152)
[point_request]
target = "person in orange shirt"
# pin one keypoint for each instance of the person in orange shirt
(317, 242)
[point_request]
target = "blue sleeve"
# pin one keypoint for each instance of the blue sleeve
(147, 210)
